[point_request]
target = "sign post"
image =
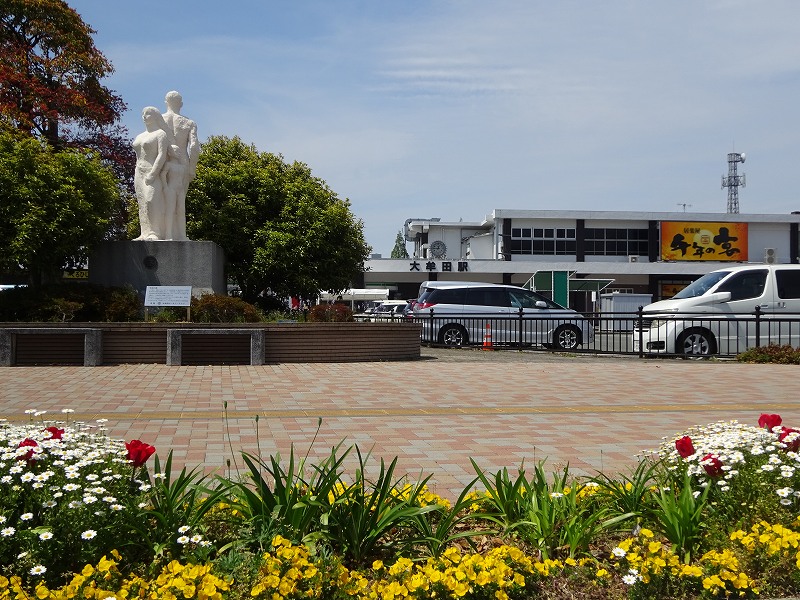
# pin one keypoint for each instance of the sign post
(168, 295)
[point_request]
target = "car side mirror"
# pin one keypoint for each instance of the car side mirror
(541, 304)
(720, 297)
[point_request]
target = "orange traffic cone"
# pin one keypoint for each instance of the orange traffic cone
(487, 338)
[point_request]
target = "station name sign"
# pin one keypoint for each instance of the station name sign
(440, 266)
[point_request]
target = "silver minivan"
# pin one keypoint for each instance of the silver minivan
(716, 313)
(457, 313)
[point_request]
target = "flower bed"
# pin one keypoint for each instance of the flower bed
(711, 513)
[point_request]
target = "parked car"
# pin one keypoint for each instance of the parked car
(715, 314)
(387, 310)
(460, 313)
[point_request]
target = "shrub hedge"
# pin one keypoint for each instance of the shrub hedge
(64, 302)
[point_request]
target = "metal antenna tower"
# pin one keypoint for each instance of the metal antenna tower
(733, 181)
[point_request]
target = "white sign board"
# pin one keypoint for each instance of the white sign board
(168, 295)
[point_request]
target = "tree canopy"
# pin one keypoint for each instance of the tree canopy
(51, 71)
(54, 205)
(399, 250)
(57, 124)
(282, 229)
(51, 74)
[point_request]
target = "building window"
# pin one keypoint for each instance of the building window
(543, 241)
(610, 241)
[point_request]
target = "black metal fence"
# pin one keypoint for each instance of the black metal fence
(634, 333)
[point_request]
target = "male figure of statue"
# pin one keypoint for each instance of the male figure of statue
(184, 133)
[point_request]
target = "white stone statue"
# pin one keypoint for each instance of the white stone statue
(184, 133)
(166, 162)
(152, 152)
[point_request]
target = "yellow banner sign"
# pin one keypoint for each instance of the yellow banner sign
(703, 241)
(79, 274)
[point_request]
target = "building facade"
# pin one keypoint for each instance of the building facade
(595, 251)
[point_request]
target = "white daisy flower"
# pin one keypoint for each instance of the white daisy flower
(89, 534)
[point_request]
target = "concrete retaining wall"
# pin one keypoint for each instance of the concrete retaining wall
(92, 344)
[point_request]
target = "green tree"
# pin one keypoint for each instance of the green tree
(54, 206)
(282, 229)
(399, 250)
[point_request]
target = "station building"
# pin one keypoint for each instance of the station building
(575, 256)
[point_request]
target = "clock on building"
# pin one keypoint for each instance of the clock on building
(438, 249)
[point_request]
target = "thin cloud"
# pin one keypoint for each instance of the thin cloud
(452, 108)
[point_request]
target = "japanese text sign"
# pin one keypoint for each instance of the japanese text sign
(703, 241)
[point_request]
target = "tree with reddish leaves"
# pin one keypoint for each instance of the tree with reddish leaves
(51, 72)
(66, 163)
(51, 75)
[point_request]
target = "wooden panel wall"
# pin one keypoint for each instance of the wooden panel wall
(283, 343)
(134, 347)
(201, 349)
(341, 342)
(49, 349)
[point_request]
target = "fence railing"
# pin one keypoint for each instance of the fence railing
(636, 333)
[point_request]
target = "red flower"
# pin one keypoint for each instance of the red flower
(712, 464)
(139, 452)
(27, 442)
(55, 432)
(769, 421)
(792, 444)
(684, 446)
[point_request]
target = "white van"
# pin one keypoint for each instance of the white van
(458, 313)
(717, 313)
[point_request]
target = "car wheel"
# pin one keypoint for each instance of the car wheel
(453, 336)
(696, 343)
(567, 337)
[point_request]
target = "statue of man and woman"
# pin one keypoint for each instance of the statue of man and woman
(166, 162)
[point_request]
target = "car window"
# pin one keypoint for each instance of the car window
(445, 296)
(744, 285)
(527, 299)
(702, 285)
(487, 297)
(788, 281)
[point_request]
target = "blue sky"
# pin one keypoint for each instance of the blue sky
(451, 108)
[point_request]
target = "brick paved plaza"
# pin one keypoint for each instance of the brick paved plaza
(434, 413)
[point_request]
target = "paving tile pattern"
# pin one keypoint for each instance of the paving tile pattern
(434, 414)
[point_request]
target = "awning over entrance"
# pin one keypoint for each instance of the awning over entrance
(356, 295)
(560, 283)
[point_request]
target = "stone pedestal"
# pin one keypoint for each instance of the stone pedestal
(139, 264)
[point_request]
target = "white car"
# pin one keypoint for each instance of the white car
(462, 313)
(387, 310)
(716, 313)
